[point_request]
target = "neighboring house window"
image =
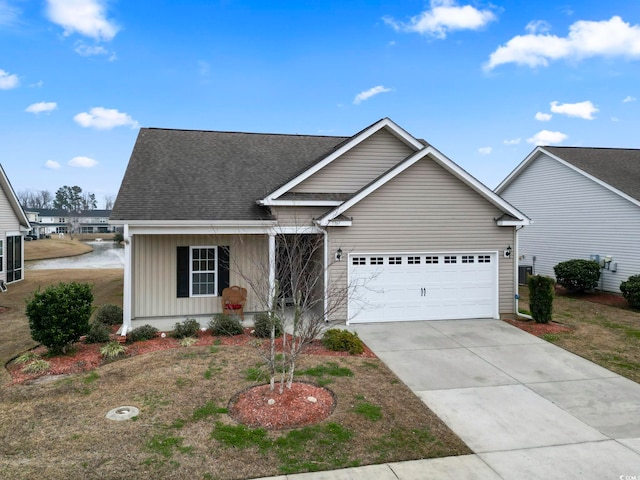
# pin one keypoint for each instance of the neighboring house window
(14, 258)
(62, 220)
(103, 220)
(61, 230)
(202, 271)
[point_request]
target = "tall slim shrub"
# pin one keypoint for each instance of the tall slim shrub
(59, 315)
(540, 297)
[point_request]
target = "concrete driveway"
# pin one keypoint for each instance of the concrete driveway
(527, 408)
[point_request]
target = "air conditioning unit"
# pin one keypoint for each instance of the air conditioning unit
(523, 273)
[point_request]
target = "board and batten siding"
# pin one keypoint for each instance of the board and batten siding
(8, 223)
(425, 209)
(574, 217)
(357, 167)
(154, 282)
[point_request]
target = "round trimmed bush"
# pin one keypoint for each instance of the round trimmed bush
(98, 333)
(577, 275)
(225, 325)
(142, 333)
(59, 315)
(342, 341)
(189, 328)
(108, 314)
(263, 322)
(631, 291)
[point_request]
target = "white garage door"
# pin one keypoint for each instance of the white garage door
(419, 286)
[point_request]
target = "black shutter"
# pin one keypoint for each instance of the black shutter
(183, 272)
(223, 268)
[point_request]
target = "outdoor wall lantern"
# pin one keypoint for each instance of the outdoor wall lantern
(338, 254)
(507, 252)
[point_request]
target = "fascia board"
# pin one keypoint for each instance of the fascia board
(303, 203)
(359, 138)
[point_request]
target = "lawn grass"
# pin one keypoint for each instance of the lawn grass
(54, 248)
(606, 335)
(58, 429)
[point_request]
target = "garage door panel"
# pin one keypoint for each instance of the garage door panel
(404, 287)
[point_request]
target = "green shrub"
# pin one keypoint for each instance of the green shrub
(109, 314)
(342, 341)
(118, 237)
(59, 315)
(631, 291)
(263, 322)
(540, 297)
(577, 275)
(189, 328)
(225, 325)
(140, 334)
(112, 350)
(98, 333)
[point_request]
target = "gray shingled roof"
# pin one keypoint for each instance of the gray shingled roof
(207, 175)
(619, 167)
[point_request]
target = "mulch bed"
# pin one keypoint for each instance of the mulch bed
(603, 298)
(538, 329)
(83, 357)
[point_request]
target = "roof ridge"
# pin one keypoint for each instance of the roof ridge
(590, 148)
(246, 133)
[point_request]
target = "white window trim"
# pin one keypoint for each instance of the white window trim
(216, 272)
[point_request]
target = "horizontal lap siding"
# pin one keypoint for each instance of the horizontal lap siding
(359, 166)
(154, 285)
(298, 216)
(426, 209)
(574, 217)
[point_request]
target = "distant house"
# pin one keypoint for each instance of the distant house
(406, 231)
(53, 221)
(584, 203)
(14, 225)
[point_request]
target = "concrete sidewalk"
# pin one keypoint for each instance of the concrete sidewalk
(527, 408)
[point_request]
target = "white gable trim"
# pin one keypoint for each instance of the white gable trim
(25, 225)
(305, 203)
(387, 123)
(540, 150)
(445, 163)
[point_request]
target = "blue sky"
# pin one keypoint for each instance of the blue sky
(484, 82)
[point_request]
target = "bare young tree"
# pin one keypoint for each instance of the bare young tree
(299, 300)
(108, 202)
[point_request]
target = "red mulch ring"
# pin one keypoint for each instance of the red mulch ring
(4, 309)
(84, 357)
(538, 329)
(302, 404)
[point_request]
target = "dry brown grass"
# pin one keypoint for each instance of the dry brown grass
(58, 430)
(606, 335)
(54, 248)
(16, 338)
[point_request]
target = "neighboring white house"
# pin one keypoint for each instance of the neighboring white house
(14, 225)
(47, 221)
(407, 232)
(584, 203)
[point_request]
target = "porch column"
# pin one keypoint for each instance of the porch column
(272, 268)
(128, 269)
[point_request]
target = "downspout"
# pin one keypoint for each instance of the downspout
(326, 274)
(516, 261)
(127, 294)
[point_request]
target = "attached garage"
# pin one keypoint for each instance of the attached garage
(422, 286)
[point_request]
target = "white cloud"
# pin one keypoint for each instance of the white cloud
(8, 81)
(546, 137)
(104, 119)
(443, 17)
(537, 26)
(8, 14)
(41, 107)
(367, 94)
(82, 162)
(90, 50)
(543, 117)
(485, 150)
(513, 141)
(86, 17)
(628, 99)
(581, 110)
(615, 119)
(52, 164)
(607, 38)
